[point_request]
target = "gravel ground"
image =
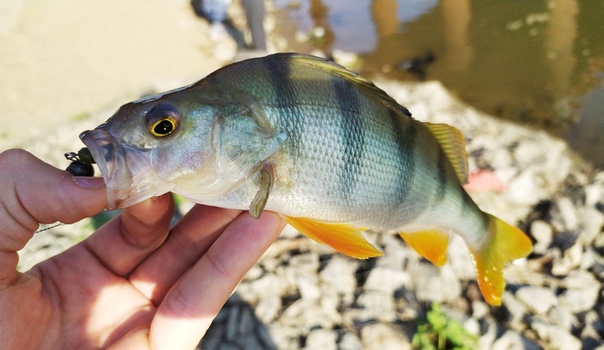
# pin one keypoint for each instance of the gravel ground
(302, 295)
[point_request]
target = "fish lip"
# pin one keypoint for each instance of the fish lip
(111, 159)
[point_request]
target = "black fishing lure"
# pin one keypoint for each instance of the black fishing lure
(81, 162)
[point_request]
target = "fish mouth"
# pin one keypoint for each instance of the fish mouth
(122, 168)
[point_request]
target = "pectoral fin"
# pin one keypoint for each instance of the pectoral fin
(259, 201)
(430, 244)
(344, 238)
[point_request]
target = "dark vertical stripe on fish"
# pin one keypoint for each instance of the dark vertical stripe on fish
(351, 134)
(285, 98)
(405, 136)
(441, 168)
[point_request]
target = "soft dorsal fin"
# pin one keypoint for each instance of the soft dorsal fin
(454, 146)
(431, 244)
(344, 238)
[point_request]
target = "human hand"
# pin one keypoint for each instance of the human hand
(134, 283)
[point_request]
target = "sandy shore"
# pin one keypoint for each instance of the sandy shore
(63, 59)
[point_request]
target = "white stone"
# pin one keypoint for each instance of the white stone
(435, 284)
(561, 317)
(516, 308)
(338, 274)
(308, 287)
(579, 300)
(556, 337)
(386, 280)
(543, 233)
(321, 339)
(568, 212)
(380, 336)
(592, 221)
(268, 308)
(377, 305)
(537, 299)
(350, 342)
(511, 340)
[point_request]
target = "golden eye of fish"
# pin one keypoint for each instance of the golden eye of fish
(163, 127)
(162, 120)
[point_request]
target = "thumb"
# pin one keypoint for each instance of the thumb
(34, 192)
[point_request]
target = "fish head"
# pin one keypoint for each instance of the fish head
(143, 147)
(180, 142)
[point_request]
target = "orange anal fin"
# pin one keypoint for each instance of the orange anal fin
(507, 243)
(344, 238)
(430, 244)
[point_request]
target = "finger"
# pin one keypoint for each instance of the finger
(125, 241)
(33, 192)
(189, 308)
(137, 338)
(189, 240)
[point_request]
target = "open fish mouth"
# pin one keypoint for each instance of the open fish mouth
(121, 167)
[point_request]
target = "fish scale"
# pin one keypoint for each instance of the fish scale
(317, 144)
(321, 131)
(383, 177)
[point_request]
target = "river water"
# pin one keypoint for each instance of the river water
(539, 63)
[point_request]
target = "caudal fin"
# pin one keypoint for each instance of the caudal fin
(507, 243)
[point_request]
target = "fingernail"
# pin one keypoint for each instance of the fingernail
(89, 182)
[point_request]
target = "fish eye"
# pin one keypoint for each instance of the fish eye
(163, 127)
(162, 120)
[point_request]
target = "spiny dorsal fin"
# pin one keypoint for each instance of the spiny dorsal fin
(344, 238)
(454, 146)
(340, 71)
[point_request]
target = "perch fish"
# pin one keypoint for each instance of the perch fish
(319, 145)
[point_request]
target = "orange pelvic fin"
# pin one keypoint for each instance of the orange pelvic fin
(344, 238)
(430, 244)
(506, 244)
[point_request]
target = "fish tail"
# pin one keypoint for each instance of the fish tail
(506, 243)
